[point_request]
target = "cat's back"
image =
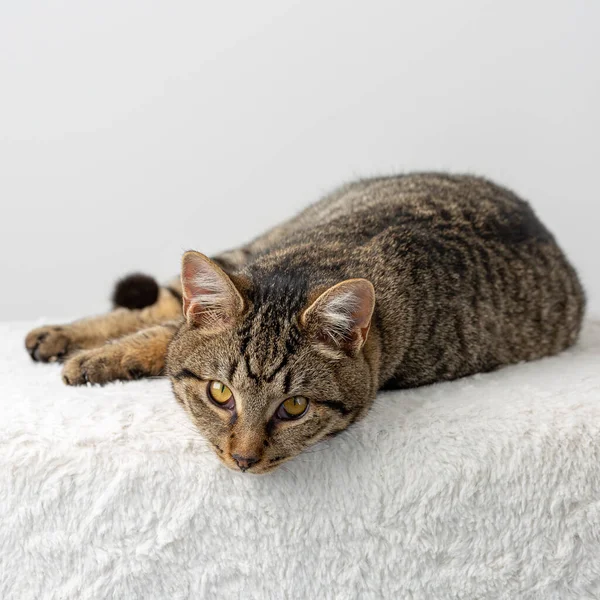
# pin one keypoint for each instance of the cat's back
(404, 220)
(423, 202)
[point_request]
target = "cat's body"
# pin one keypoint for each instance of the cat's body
(466, 279)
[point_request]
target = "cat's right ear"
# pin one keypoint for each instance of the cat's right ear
(340, 318)
(211, 302)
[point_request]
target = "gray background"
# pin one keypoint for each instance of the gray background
(130, 132)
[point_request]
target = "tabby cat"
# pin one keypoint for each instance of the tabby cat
(389, 282)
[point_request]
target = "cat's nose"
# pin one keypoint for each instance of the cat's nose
(244, 462)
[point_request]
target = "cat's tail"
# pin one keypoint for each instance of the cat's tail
(135, 291)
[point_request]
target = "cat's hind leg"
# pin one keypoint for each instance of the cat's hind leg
(135, 356)
(53, 343)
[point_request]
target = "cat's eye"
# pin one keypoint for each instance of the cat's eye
(220, 394)
(292, 408)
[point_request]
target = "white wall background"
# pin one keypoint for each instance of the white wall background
(131, 131)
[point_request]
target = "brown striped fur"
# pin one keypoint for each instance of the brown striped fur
(466, 280)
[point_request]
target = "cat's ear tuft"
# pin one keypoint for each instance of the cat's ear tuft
(341, 316)
(211, 302)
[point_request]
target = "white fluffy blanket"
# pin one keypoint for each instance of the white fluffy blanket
(488, 487)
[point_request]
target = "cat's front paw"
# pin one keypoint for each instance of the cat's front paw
(101, 365)
(49, 344)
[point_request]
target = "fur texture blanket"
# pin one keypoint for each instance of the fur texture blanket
(487, 487)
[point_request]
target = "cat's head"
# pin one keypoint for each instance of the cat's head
(267, 365)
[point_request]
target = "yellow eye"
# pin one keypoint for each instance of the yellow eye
(293, 407)
(220, 393)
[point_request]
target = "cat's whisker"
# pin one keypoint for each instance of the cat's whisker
(290, 472)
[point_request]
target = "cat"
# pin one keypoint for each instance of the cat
(390, 282)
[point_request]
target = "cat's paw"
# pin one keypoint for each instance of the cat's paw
(101, 365)
(49, 344)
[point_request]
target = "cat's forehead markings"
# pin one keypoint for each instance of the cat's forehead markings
(258, 387)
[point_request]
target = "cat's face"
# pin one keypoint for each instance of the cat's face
(264, 379)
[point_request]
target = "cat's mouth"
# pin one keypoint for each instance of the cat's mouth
(262, 467)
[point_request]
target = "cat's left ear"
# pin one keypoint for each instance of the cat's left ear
(341, 316)
(211, 302)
